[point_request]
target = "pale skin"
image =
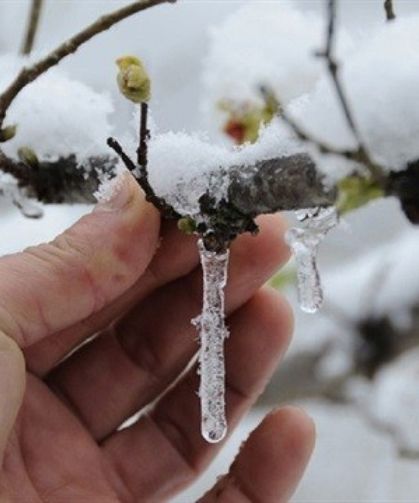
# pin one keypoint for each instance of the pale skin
(121, 273)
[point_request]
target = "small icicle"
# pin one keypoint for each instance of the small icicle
(9, 188)
(304, 242)
(27, 207)
(212, 333)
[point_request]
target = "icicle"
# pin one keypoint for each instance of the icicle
(212, 333)
(27, 207)
(9, 188)
(304, 242)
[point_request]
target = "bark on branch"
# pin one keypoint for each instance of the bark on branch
(269, 186)
(284, 183)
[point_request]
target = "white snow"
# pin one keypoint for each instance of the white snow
(264, 43)
(380, 80)
(394, 401)
(380, 83)
(56, 115)
(274, 44)
(180, 164)
(110, 185)
(383, 282)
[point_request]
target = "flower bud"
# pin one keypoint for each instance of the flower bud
(8, 133)
(133, 80)
(28, 157)
(187, 225)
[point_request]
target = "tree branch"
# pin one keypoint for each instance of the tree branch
(361, 153)
(389, 10)
(32, 27)
(31, 73)
(61, 181)
(278, 184)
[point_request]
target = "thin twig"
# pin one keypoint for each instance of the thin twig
(356, 155)
(117, 148)
(361, 153)
(32, 27)
(333, 68)
(142, 180)
(31, 73)
(389, 9)
(142, 151)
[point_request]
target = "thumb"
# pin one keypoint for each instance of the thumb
(53, 286)
(12, 386)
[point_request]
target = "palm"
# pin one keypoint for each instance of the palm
(51, 456)
(66, 444)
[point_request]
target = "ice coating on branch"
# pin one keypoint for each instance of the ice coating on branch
(212, 333)
(304, 242)
(110, 184)
(10, 189)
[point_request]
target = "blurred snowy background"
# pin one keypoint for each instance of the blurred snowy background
(369, 265)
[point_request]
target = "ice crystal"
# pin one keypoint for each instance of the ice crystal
(212, 333)
(304, 242)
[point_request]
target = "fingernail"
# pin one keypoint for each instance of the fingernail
(115, 194)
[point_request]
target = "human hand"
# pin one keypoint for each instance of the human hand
(112, 275)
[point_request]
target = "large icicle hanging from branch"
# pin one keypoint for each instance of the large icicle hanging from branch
(212, 334)
(304, 242)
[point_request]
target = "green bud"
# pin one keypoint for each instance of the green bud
(356, 191)
(133, 80)
(187, 225)
(284, 278)
(28, 156)
(7, 133)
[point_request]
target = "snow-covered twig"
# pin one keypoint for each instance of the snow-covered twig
(361, 154)
(32, 27)
(140, 173)
(31, 73)
(61, 181)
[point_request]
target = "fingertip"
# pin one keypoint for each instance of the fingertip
(295, 428)
(271, 462)
(284, 441)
